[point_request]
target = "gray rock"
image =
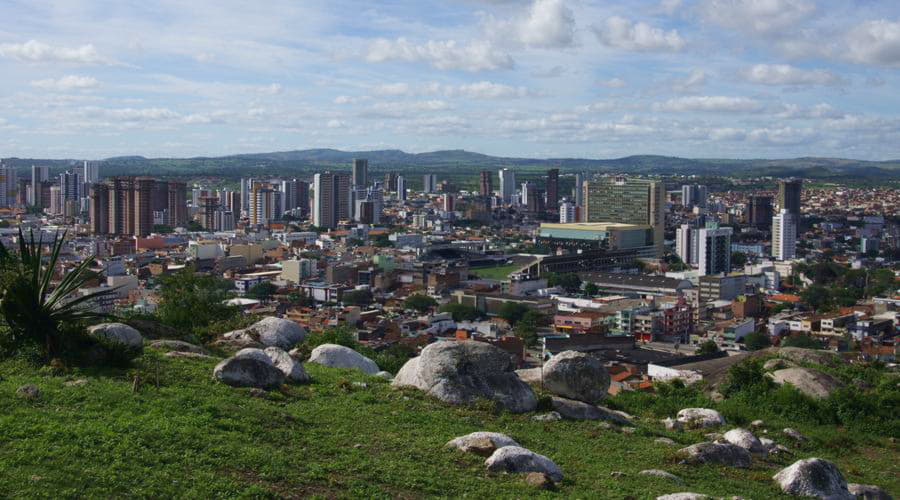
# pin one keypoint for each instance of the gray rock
(530, 375)
(338, 356)
(793, 434)
(248, 372)
(547, 417)
(235, 344)
(28, 391)
(578, 410)
(671, 424)
(714, 436)
(716, 453)
(661, 474)
(628, 430)
(780, 449)
(757, 423)
(516, 459)
(800, 355)
(746, 440)
(617, 473)
(118, 338)
(481, 443)
(683, 496)
(868, 492)
(576, 375)
(463, 372)
(385, 375)
(767, 443)
(270, 332)
(292, 369)
(177, 346)
(187, 355)
(813, 383)
(665, 440)
(539, 480)
(76, 383)
(813, 477)
(698, 418)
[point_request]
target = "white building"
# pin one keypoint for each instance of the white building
(429, 183)
(507, 185)
(401, 188)
(784, 236)
(683, 244)
(714, 250)
(567, 213)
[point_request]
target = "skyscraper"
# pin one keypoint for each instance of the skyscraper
(289, 195)
(332, 199)
(784, 235)
(263, 204)
(429, 183)
(694, 195)
(684, 248)
(486, 184)
(38, 176)
(401, 188)
(628, 201)
(177, 204)
(71, 185)
(8, 186)
(714, 249)
(303, 198)
(448, 202)
(99, 208)
(208, 207)
(143, 206)
(390, 181)
(90, 172)
(360, 173)
(507, 185)
(579, 189)
(567, 211)
(759, 212)
(553, 189)
(789, 195)
(121, 205)
(245, 194)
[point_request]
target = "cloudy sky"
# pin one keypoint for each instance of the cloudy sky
(538, 78)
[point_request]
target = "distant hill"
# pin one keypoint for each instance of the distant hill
(461, 162)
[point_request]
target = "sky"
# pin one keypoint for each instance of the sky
(526, 78)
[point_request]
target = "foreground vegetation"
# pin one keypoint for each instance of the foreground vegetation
(177, 433)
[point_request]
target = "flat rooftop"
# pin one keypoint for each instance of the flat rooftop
(592, 226)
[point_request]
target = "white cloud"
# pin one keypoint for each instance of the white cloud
(476, 90)
(669, 6)
(392, 89)
(549, 24)
(691, 83)
(757, 16)
(68, 82)
(710, 103)
(446, 55)
(491, 90)
(620, 33)
(130, 114)
(612, 83)
(39, 52)
(821, 110)
(785, 74)
(875, 42)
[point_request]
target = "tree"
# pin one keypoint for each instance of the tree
(262, 291)
(738, 259)
(591, 289)
(755, 341)
(461, 312)
(817, 297)
(357, 297)
(802, 341)
(512, 312)
(708, 347)
(189, 300)
(162, 229)
(419, 302)
(382, 241)
(35, 312)
(569, 282)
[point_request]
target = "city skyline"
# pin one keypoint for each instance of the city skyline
(540, 78)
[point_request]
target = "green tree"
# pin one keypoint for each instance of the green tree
(512, 312)
(382, 241)
(569, 282)
(36, 312)
(738, 259)
(816, 297)
(162, 229)
(261, 291)
(755, 341)
(357, 297)
(419, 302)
(591, 289)
(708, 347)
(803, 341)
(461, 312)
(189, 300)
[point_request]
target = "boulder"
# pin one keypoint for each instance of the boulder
(794, 434)
(698, 418)
(530, 375)
(661, 474)
(517, 459)
(671, 424)
(868, 492)
(385, 375)
(463, 372)
(278, 358)
(338, 356)
(576, 375)
(665, 441)
(76, 383)
(28, 391)
(757, 424)
(813, 383)
(235, 344)
(270, 332)
(800, 355)
(813, 477)
(177, 346)
(716, 453)
(683, 496)
(187, 355)
(577, 410)
(248, 372)
(482, 443)
(539, 480)
(118, 339)
(746, 440)
(767, 443)
(547, 417)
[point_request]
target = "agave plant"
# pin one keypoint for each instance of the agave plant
(33, 309)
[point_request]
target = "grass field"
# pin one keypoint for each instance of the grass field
(495, 272)
(192, 437)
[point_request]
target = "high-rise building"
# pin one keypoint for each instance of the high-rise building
(365, 212)
(714, 249)
(759, 212)
(263, 204)
(99, 208)
(39, 175)
(567, 212)
(429, 183)
(90, 172)
(209, 205)
(23, 192)
(289, 195)
(507, 185)
(303, 198)
(121, 205)
(486, 183)
(684, 237)
(401, 188)
(627, 201)
(390, 181)
(177, 204)
(789, 196)
(223, 220)
(553, 189)
(71, 186)
(159, 199)
(360, 173)
(143, 206)
(448, 202)
(332, 199)
(784, 235)
(527, 187)
(694, 195)
(56, 207)
(8, 186)
(245, 194)
(579, 189)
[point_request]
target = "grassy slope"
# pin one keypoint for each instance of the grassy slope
(495, 272)
(192, 437)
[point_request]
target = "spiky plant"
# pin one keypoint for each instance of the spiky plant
(34, 310)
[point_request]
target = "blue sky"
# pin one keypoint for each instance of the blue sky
(535, 78)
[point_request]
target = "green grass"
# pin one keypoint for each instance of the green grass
(192, 437)
(495, 272)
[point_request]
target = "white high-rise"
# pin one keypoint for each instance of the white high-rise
(430, 183)
(567, 212)
(784, 235)
(507, 185)
(401, 188)
(683, 244)
(90, 172)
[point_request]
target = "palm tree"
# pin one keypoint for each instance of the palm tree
(32, 308)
